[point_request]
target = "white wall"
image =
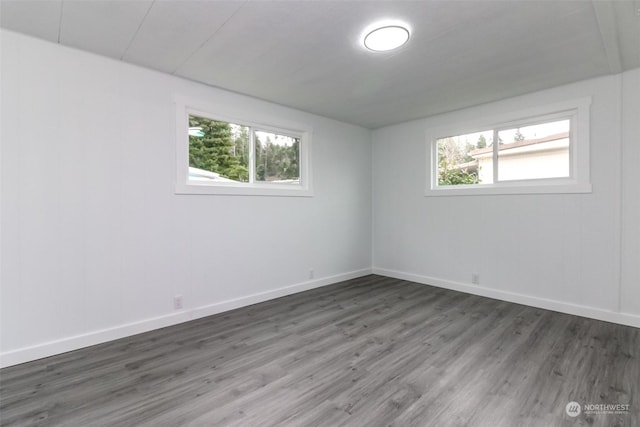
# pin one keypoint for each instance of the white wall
(95, 243)
(630, 296)
(557, 251)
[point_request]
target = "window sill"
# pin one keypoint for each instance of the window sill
(244, 190)
(504, 189)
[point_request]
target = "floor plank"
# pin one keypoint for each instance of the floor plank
(372, 351)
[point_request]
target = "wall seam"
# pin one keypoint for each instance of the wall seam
(372, 231)
(620, 188)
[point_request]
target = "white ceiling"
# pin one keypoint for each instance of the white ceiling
(307, 54)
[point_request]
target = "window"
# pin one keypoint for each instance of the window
(220, 156)
(276, 158)
(543, 153)
(534, 152)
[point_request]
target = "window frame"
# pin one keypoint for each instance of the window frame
(183, 185)
(578, 181)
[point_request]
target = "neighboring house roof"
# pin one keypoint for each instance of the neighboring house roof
(472, 165)
(196, 174)
(517, 144)
(286, 181)
(488, 151)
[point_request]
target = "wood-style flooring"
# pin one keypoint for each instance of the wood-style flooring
(373, 351)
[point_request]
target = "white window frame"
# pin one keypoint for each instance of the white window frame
(183, 185)
(577, 111)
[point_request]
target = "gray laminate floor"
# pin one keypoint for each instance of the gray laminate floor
(372, 351)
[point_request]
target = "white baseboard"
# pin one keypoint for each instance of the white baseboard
(208, 310)
(627, 319)
(46, 349)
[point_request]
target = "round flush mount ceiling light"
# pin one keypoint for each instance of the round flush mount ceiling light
(386, 37)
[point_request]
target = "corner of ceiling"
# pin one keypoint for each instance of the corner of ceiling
(605, 16)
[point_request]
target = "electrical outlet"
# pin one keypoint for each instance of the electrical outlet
(177, 302)
(475, 278)
(311, 273)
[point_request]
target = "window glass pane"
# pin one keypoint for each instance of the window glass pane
(465, 159)
(534, 152)
(277, 158)
(218, 151)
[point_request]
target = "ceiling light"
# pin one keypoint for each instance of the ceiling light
(385, 38)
